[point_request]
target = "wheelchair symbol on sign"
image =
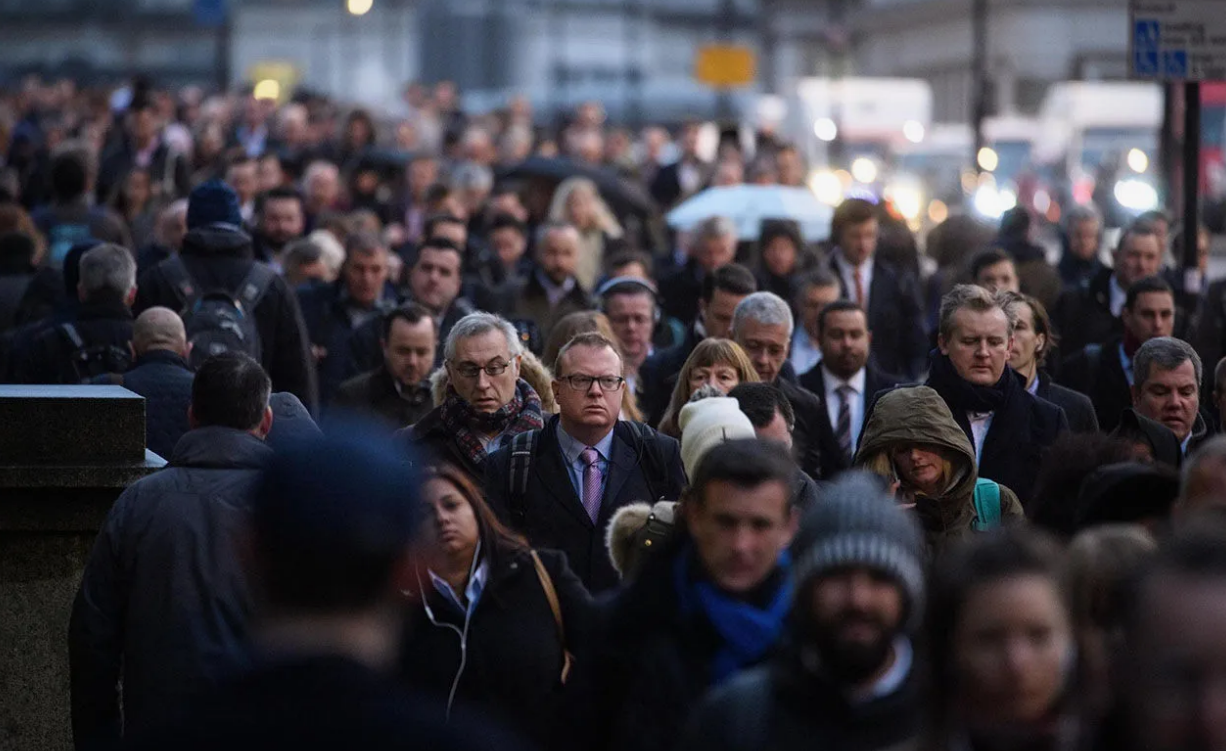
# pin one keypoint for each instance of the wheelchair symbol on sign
(1175, 63)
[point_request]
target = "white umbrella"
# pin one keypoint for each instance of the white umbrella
(748, 205)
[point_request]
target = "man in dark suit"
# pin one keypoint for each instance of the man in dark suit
(398, 391)
(844, 377)
(889, 296)
(1103, 372)
(712, 245)
(684, 177)
(763, 326)
(1090, 314)
(1008, 426)
(585, 464)
(552, 291)
(722, 290)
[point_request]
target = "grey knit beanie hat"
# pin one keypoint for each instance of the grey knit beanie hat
(857, 524)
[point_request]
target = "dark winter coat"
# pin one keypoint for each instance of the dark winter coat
(874, 381)
(67, 224)
(48, 356)
(165, 380)
(375, 394)
(814, 445)
(1083, 315)
(1078, 407)
(164, 601)
(896, 318)
(1097, 372)
(526, 300)
(680, 292)
(168, 173)
(784, 707)
(650, 666)
(918, 415)
(329, 327)
(1208, 333)
(511, 665)
(551, 514)
(323, 701)
(221, 259)
(1021, 429)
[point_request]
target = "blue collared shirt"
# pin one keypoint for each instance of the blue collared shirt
(472, 592)
(571, 450)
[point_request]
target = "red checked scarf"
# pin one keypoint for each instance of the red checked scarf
(521, 414)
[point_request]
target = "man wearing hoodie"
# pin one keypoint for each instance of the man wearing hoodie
(217, 256)
(849, 678)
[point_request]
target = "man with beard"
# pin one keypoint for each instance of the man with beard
(280, 221)
(849, 678)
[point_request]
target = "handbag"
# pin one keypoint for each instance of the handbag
(551, 595)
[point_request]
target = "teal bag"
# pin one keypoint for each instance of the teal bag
(987, 505)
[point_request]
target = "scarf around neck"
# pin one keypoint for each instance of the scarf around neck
(747, 631)
(465, 425)
(963, 396)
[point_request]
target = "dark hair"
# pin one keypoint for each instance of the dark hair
(732, 278)
(230, 390)
(849, 213)
(494, 535)
(240, 160)
(760, 402)
(745, 463)
(1148, 285)
(819, 277)
(1138, 229)
(362, 243)
(985, 258)
(301, 252)
(1065, 466)
(1040, 320)
(772, 228)
(976, 561)
(626, 257)
(280, 193)
(436, 192)
(69, 174)
(433, 221)
(592, 339)
(410, 312)
(439, 243)
(838, 306)
(506, 221)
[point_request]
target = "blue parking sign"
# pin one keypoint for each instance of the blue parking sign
(1146, 33)
(1175, 63)
(1145, 62)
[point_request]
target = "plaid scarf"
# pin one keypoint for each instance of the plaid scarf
(521, 414)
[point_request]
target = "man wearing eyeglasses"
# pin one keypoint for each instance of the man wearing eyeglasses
(486, 399)
(584, 464)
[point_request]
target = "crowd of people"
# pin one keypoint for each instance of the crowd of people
(457, 448)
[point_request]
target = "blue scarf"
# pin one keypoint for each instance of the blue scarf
(747, 632)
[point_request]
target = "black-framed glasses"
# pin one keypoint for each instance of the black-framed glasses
(470, 370)
(584, 382)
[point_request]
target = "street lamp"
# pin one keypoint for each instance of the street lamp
(359, 7)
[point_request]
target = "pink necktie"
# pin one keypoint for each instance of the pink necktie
(591, 482)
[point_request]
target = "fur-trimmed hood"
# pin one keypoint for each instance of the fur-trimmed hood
(531, 369)
(634, 530)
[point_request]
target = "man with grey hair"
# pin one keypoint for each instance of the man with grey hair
(1083, 236)
(712, 244)
(552, 291)
(762, 325)
(1166, 387)
(96, 341)
(485, 401)
(1008, 426)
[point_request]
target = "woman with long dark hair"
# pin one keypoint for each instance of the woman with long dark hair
(494, 623)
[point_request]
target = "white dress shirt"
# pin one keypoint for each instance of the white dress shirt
(805, 352)
(855, 401)
(1119, 296)
(848, 273)
(981, 423)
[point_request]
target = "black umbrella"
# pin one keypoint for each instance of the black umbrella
(624, 197)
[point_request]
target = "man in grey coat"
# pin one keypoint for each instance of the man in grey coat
(164, 603)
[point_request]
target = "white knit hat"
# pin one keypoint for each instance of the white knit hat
(707, 423)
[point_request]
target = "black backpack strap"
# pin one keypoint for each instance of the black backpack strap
(642, 437)
(180, 281)
(523, 446)
(255, 285)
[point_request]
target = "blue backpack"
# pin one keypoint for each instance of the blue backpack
(987, 505)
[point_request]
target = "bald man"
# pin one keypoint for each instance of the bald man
(159, 373)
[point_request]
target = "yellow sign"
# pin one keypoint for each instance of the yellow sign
(725, 66)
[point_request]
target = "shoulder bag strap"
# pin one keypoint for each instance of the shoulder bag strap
(551, 595)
